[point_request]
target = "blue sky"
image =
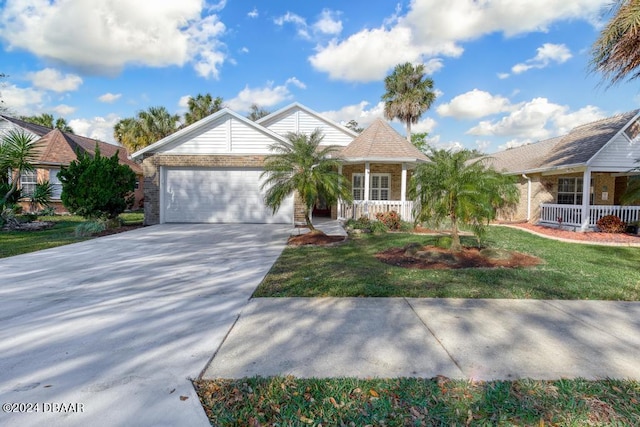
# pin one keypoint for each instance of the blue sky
(506, 72)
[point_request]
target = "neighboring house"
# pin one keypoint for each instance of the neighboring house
(55, 149)
(210, 171)
(575, 179)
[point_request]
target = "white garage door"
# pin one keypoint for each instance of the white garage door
(218, 196)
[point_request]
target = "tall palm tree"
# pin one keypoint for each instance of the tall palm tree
(202, 106)
(17, 154)
(256, 112)
(47, 120)
(465, 191)
(409, 94)
(616, 54)
(299, 165)
(147, 127)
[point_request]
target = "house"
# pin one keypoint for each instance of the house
(575, 179)
(55, 149)
(210, 171)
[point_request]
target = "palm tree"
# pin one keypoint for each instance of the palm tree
(299, 165)
(147, 127)
(17, 154)
(202, 106)
(453, 185)
(632, 194)
(47, 120)
(408, 94)
(615, 53)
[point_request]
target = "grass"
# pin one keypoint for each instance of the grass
(569, 271)
(418, 402)
(62, 233)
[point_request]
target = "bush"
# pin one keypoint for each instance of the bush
(97, 187)
(378, 227)
(406, 226)
(611, 224)
(90, 228)
(390, 219)
(362, 223)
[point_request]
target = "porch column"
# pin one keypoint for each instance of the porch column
(366, 187)
(586, 193)
(340, 207)
(403, 185)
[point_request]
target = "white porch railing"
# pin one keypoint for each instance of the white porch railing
(572, 214)
(370, 208)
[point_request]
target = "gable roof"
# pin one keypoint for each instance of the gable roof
(198, 127)
(577, 148)
(276, 115)
(60, 148)
(31, 127)
(381, 142)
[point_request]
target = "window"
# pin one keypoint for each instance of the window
(56, 186)
(27, 183)
(379, 186)
(570, 191)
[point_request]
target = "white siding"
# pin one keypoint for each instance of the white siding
(298, 120)
(226, 135)
(619, 153)
(6, 126)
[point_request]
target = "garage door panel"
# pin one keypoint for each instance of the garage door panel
(218, 195)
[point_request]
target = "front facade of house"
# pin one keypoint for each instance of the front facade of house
(56, 149)
(210, 172)
(575, 179)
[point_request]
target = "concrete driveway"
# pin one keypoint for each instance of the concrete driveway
(113, 328)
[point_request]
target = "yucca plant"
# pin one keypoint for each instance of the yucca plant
(41, 196)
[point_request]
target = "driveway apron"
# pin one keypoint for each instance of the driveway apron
(109, 331)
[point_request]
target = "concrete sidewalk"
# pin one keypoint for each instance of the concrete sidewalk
(395, 337)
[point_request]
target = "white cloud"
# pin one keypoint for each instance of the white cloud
(434, 28)
(100, 128)
(253, 13)
(64, 110)
(22, 101)
(328, 23)
(473, 105)
(183, 102)
(244, 49)
(363, 113)
(536, 120)
(107, 35)
(424, 125)
(266, 96)
(54, 80)
(547, 53)
(109, 97)
(298, 21)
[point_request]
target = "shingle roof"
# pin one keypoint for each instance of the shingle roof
(31, 127)
(61, 147)
(576, 148)
(380, 142)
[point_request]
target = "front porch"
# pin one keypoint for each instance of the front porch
(369, 209)
(585, 217)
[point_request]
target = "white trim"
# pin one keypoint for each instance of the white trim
(586, 193)
(403, 183)
(161, 188)
(266, 120)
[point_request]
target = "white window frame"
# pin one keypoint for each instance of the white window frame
(56, 185)
(376, 190)
(28, 181)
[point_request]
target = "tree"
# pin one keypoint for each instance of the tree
(632, 194)
(419, 140)
(147, 127)
(354, 126)
(615, 53)
(409, 94)
(256, 112)
(202, 106)
(452, 185)
(97, 187)
(17, 154)
(300, 166)
(47, 120)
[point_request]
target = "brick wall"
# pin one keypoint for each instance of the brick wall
(151, 167)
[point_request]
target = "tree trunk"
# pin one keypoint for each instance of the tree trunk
(307, 218)
(456, 246)
(409, 131)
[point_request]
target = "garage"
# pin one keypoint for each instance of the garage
(217, 195)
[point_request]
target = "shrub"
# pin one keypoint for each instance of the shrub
(89, 228)
(390, 219)
(611, 224)
(362, 223)
(406, 226)
(378, 227)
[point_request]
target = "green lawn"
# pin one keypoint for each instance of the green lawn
(569, 271)
(418, 402)
(62, 233)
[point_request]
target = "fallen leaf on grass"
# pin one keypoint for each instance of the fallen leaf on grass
(373, 393)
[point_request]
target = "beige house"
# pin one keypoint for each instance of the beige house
(575, 179)
(56, 149)
(209, 172)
